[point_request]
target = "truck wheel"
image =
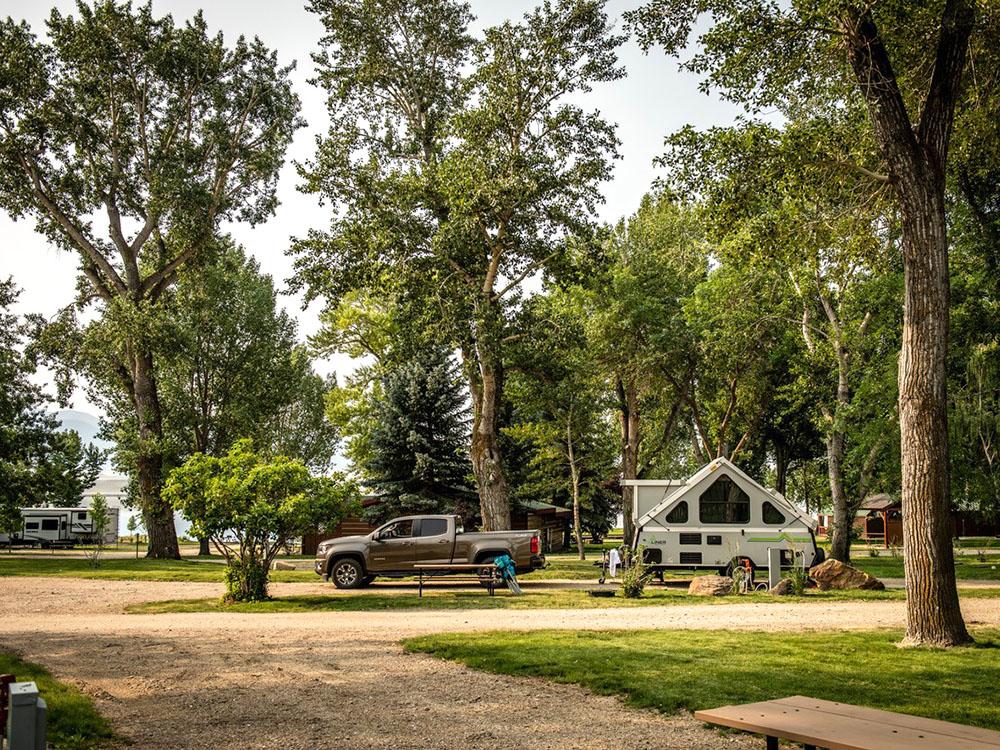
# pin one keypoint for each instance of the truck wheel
(367, 580)
(347, 574)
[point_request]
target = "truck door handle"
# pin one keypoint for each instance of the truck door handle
(442, 541)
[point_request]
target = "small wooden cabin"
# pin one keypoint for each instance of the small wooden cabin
(880, 520)
(554, 523)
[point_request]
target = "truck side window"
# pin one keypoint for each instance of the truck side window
(772, 514)
(398, 530)
(433, 526)
(679, 514)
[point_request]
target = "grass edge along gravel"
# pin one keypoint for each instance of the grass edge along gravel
(689, 670)
(73, 721)
(558, 599)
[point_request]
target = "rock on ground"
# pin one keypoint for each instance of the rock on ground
(711, 586)
(833, 574)
(783, 587)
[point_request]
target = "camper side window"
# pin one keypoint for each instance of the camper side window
(50, 524)
(771, 514)
(679, 514)
(724, 502)
(31, 526)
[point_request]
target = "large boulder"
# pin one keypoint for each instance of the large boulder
(833, 574)
(711, 586)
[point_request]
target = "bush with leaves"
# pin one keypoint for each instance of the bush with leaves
(99, 520)
(249, 505)
(635, 575)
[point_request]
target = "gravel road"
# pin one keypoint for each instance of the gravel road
(325, 680)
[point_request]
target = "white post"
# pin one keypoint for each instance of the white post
(773, 566)
(25, 718)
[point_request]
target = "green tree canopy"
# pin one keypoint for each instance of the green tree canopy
(250, 505)
(161, 129)
(459, 168)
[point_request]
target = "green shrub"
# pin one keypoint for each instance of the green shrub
(798, 574)
(635, 575)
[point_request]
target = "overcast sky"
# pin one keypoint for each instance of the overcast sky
(653, 101)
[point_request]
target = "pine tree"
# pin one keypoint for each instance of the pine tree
(419, 446)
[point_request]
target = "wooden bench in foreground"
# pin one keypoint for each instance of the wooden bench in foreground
(433, 570)
(840, 726)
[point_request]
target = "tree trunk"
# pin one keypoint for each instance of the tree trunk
(840, 547)
(843, 517)
(918, 160)
(157, 514)
(575, 477)
(204, 550)
(628, 406)
(485, 453)
(780, 469)
(934, 616)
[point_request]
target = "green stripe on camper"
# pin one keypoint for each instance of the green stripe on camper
(780, 538)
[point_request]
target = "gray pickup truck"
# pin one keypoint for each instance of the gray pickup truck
(392, 550)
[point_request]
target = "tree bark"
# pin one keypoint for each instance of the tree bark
(485, 452)
(628, 406)
(157, 514)
(840, 547)
(575, 478)
(934, 615)
(917, 159)
(780, 468)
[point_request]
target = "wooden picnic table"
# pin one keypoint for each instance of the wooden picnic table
(432, 570)
(840, 726)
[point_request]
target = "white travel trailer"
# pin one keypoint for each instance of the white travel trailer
(718, 515)
(60, 527)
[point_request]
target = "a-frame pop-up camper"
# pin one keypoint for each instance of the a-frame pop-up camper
(718, 515)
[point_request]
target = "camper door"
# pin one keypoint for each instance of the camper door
(47, 528)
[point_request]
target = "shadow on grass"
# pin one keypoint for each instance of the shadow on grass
(671, 670)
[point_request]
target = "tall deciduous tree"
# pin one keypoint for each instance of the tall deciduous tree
(561, 399)
(639, 334)
(227, 361)
(458, 187)
(775, 198)
(161, 130)
(906, 65)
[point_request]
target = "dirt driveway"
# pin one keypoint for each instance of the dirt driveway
(325, 680)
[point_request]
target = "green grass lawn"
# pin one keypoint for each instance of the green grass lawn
(566, 599)
(671, 670)
(966, 567)
(978, 542)
(73, 722)
(132, 569)
(562, 566)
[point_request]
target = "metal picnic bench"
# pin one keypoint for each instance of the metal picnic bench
(839, 726)
(431, 570)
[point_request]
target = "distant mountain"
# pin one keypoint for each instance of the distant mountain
(87, 426)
